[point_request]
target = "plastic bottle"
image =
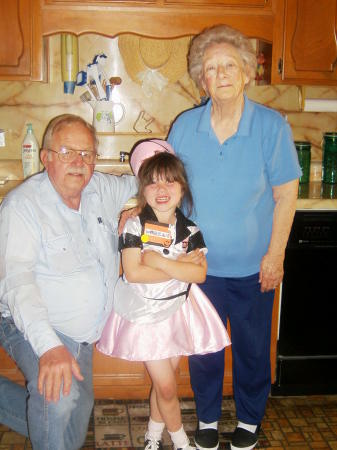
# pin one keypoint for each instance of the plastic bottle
(30, 153)
(69, 62)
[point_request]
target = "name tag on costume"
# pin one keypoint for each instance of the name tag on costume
(157, 233)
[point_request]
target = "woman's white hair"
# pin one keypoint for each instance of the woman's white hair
(220, 34)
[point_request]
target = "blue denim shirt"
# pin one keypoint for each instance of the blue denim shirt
(59, 266)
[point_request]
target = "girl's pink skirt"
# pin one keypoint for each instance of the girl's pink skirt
(195, 328)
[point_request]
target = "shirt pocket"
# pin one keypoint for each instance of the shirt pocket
(110, 230)
(61, 255)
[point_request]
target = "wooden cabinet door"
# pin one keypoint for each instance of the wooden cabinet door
(156, 18)
(20, 40)
(239, 3)
(309, 49)
(119, 379)
(9, 369)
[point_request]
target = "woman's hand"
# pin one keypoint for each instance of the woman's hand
(271, 271)
(152, 259)
(195, 256)
(190, 268)
(271, 268)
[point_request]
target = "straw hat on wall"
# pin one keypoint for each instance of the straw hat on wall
(154, 63)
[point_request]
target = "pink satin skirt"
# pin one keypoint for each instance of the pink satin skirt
(195, 328)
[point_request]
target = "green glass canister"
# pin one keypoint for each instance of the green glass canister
(304, 157)
(329, 161)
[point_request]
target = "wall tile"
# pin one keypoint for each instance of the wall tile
(23, 102)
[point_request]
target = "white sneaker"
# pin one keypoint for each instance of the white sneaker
(153, 444)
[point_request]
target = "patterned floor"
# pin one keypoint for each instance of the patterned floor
(295, 423)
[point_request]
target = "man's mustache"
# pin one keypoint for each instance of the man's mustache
(77, 171)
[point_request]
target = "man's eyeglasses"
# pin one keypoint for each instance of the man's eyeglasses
(68, 155)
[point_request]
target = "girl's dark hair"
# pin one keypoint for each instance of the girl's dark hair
(170, 168)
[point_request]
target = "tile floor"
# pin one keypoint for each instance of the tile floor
(290, 423)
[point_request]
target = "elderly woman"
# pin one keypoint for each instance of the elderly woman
(244, 173)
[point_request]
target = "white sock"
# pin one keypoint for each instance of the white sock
(179, 438)
(246, 426)
(154, 430)
(203, 425)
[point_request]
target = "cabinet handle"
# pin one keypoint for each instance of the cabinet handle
(280, 66)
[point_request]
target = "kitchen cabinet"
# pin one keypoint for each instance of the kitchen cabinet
(119, 379)
(9, 369)
(156, 18)
(24, 24)
(304, 43)
(116, 378)
(21, 44)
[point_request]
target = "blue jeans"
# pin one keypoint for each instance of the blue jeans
(50, 426)
(249, 312)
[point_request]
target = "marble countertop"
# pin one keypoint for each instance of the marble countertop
(11, 172)
(314, 195)
(317, 196)
(8, 186)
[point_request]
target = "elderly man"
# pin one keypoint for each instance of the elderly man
(59, 265)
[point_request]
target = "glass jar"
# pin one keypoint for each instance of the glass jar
(304, 156)
(329, 190)
(303, 190)
(329, 161)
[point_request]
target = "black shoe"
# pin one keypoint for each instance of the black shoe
(243, 439)
(206, 439)
(153, 444)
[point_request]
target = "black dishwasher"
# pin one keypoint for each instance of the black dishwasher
(307, 338)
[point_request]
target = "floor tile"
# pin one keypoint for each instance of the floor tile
(290, 423)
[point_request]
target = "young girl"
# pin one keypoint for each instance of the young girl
(159, 313)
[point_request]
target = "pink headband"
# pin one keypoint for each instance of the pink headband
(145, 150)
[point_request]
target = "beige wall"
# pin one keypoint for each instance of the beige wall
(23, 102)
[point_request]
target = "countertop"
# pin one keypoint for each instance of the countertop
(11, 173)
(314, 195)
(317, 196)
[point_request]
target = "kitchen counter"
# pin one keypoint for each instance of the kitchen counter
(8, 186)
(11, 173)
(314, 195)
(317, 196)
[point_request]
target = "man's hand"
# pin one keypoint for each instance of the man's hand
(125, 215)
(57, 366)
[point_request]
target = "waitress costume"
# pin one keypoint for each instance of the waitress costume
(152, 321)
